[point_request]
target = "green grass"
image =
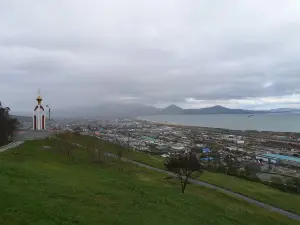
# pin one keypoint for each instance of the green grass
(261, 192)
(258, 191)
(153, 160)
(43, 186)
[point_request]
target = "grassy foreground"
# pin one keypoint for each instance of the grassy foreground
(46, 186)
(263, 193)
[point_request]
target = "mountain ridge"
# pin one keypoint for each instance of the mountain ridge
(218, 109)
(172, 109)
(134, 110)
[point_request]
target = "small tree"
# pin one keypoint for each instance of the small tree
(183, 165)
(229, 160)
(296, 182)
(98, 151)
(278, 182)
(95, 148)
(65, 147)
(77, 130)
(69, 148)
(119, 157)
(217, 159)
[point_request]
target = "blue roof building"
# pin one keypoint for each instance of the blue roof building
(207, 158)
(206, 150)
(284, 159)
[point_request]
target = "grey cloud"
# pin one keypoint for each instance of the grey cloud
(88, 52)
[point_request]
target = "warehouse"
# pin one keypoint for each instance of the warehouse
(279, 159)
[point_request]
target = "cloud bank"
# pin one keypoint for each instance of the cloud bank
(193, 53)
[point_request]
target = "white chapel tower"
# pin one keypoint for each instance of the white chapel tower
(39, 120)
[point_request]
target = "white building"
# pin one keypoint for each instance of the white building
(39, 119)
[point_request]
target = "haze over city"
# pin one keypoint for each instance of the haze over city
(239, 54)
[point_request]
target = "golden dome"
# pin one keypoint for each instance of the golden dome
(39, 99)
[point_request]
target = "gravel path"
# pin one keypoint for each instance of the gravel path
(22, 136)
(10, 145)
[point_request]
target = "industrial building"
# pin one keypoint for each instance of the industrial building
(206, 150)
(279, 159)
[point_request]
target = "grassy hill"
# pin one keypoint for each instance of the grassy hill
(261, 192)
(67, 185)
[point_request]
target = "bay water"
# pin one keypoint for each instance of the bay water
(278, 122)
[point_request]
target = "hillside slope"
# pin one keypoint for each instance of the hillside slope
(46, 186)
(254, 190)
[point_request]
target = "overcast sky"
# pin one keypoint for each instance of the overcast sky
(193, 53)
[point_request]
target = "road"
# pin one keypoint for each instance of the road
(204, 184)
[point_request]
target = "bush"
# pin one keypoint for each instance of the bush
(8, 125)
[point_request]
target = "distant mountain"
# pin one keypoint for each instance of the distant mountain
(220, 110)
(286, 110)
(133, 110)
(294, 110)
(172, 109)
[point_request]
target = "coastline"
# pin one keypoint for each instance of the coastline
(245, 133)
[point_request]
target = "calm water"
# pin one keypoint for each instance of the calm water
(262, 122)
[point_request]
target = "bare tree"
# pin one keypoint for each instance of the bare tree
(216, 159)
(119, 157)
(95, 148)
(296, 183)
(65, 147)
(229, 160)
(60, 145)
(183, 165)
(77, 130)
(69, 148)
